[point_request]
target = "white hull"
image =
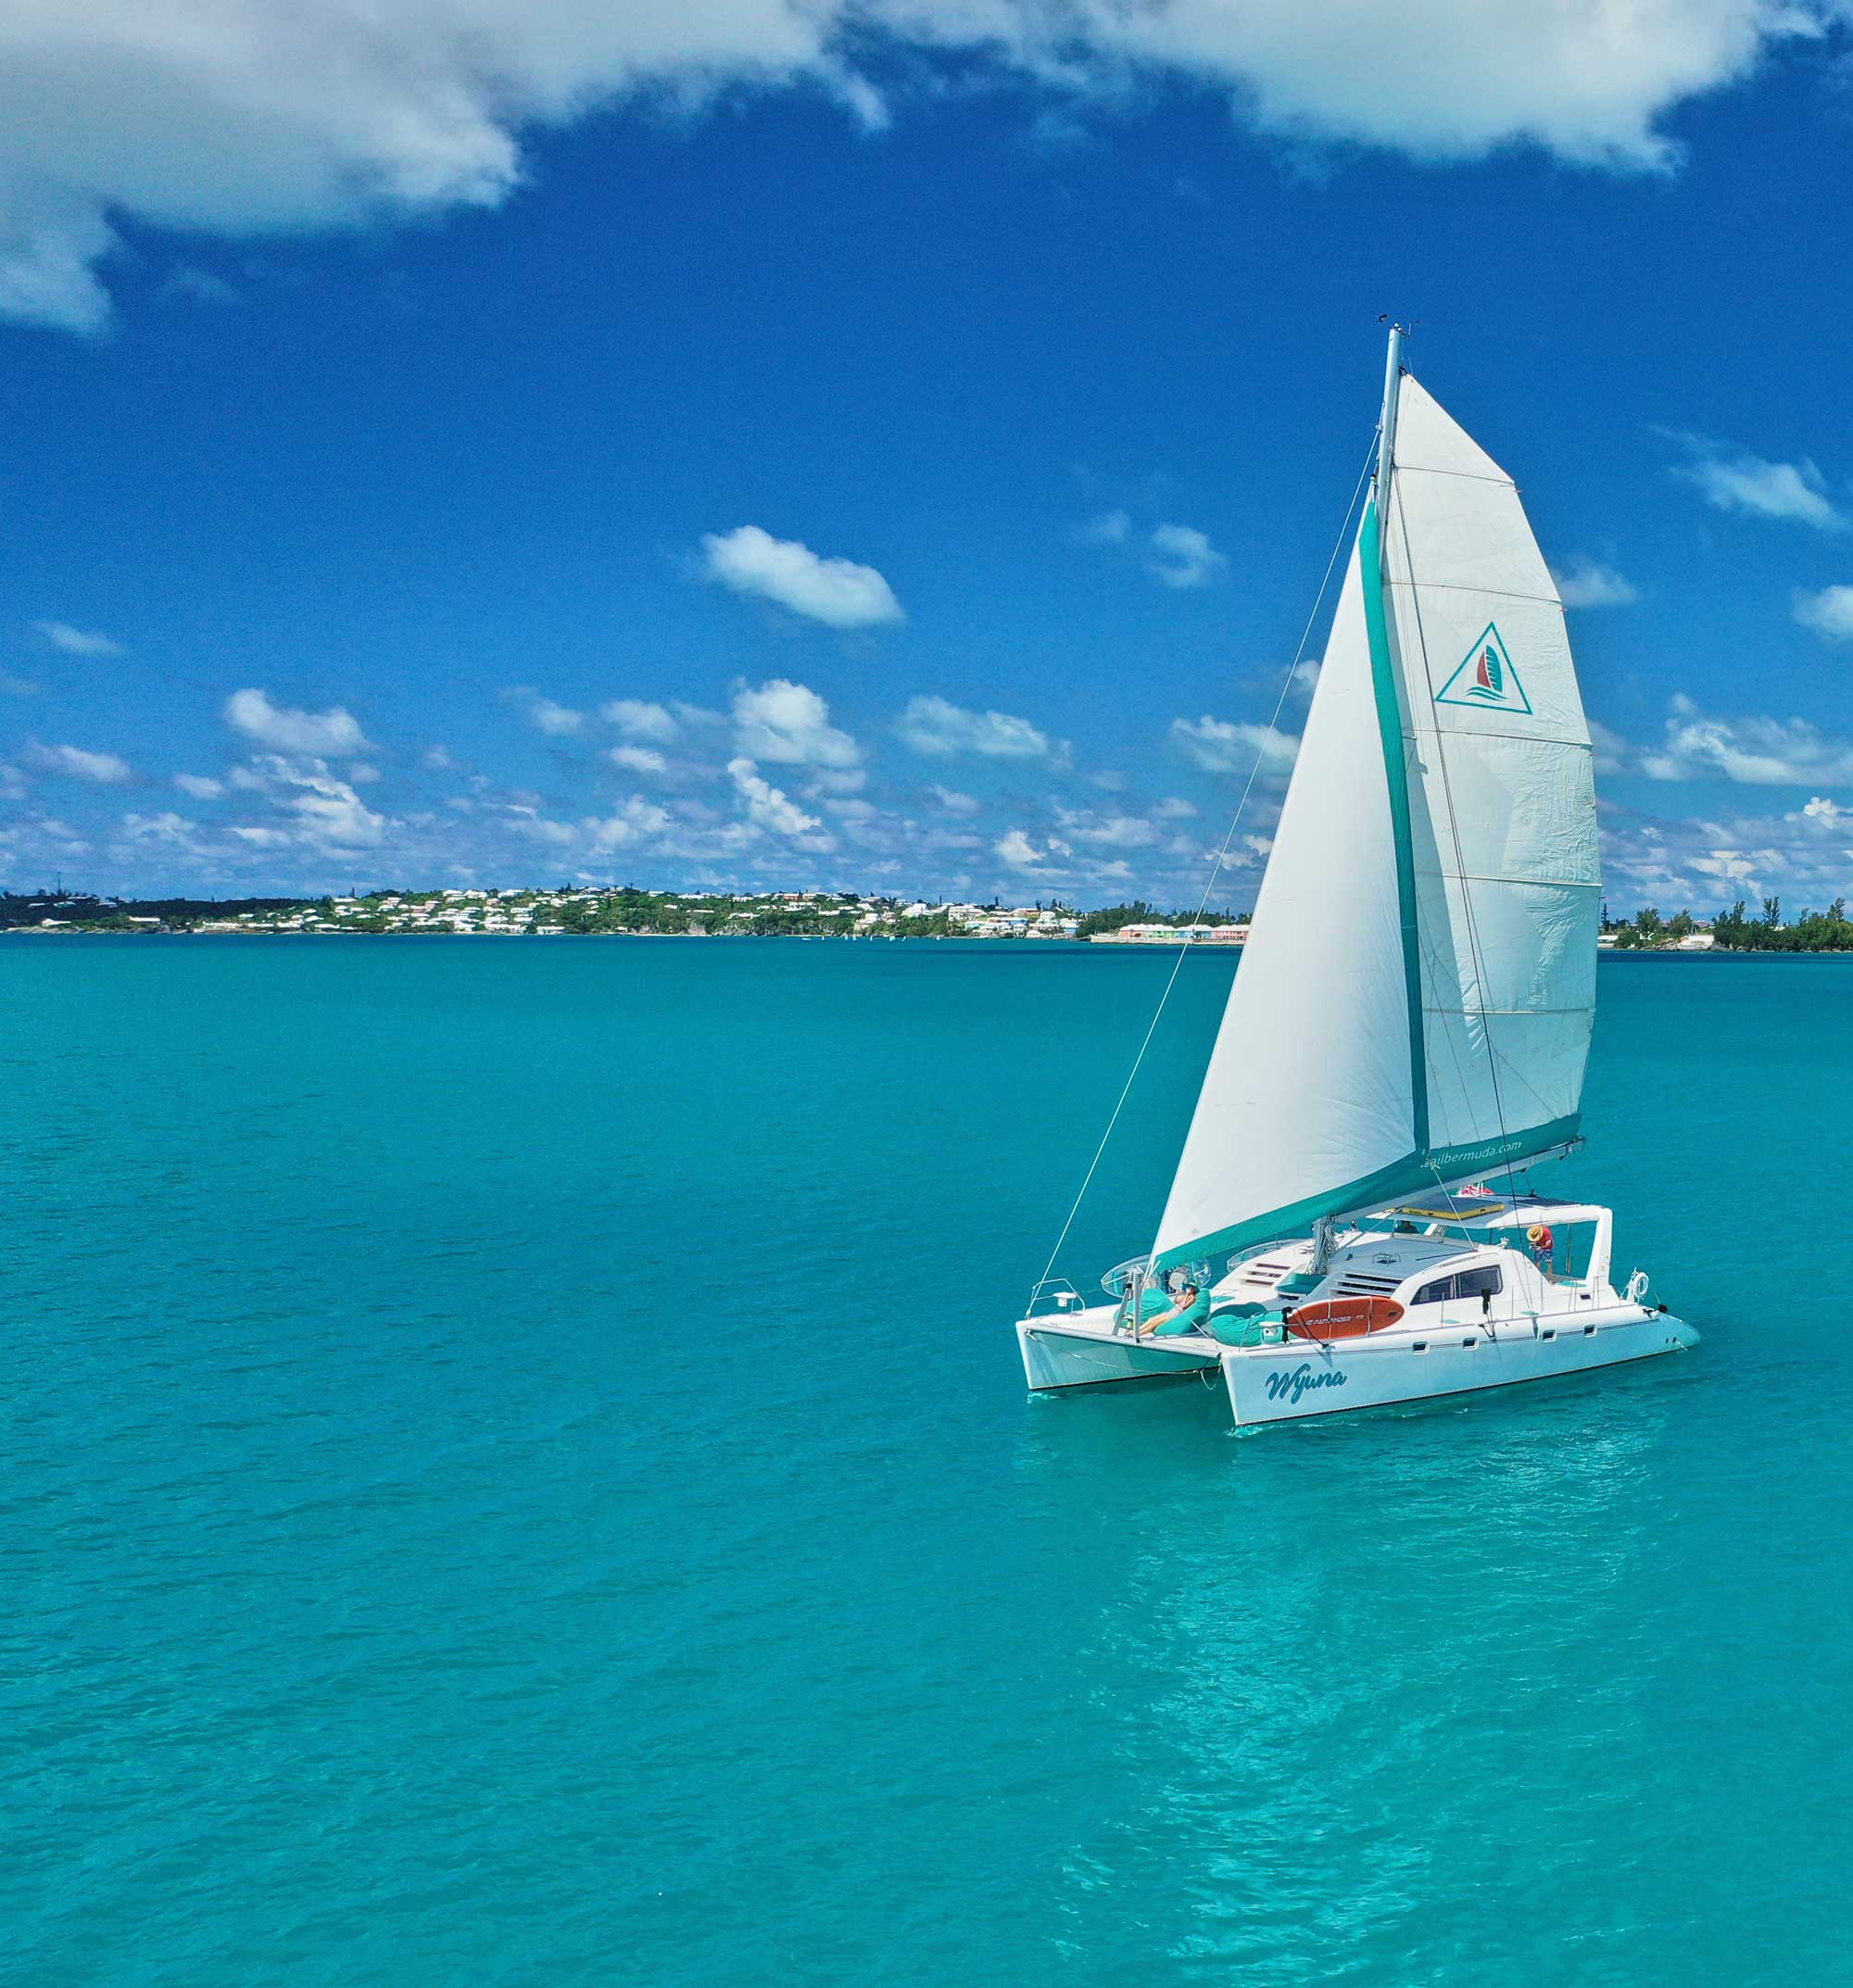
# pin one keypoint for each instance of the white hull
(1083, 1353)
(1277, 1384)
(1300, 1378)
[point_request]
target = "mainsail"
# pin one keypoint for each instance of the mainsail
(1415, 1001)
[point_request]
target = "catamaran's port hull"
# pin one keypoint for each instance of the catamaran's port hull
(1077, 1357)
(1277, 1384)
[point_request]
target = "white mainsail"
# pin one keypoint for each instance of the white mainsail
(1414, 1002)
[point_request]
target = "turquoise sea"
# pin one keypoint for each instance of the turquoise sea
(516, 1472)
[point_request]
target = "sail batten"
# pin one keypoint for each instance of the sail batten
(1415, 998)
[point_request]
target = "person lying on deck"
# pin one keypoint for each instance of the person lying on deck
(1189, 1309)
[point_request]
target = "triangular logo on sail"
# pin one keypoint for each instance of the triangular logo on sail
(1486, 680)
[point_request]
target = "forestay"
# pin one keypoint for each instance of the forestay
(1415, 998)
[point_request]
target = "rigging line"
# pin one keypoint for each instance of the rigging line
(1215, 868)
(1453, 819)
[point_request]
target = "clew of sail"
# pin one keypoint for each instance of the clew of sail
(1415, 998)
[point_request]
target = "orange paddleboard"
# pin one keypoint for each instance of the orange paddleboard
(1343, 1318)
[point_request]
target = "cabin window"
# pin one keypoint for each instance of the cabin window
(1484, 1282)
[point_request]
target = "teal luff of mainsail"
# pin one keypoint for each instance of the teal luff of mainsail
(1390, 728)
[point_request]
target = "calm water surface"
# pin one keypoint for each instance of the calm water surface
(516, 1471)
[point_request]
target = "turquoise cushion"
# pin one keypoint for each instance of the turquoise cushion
(1193, 1320)
(1240, 1325)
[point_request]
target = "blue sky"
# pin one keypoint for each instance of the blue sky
(893, 447)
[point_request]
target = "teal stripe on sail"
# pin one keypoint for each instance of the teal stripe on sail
(1390, 728)
(1413, 1173)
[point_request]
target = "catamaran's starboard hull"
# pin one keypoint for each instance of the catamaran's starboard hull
(1055, 1358)
(1287, 1384)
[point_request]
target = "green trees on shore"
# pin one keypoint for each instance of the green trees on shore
(1828, 931)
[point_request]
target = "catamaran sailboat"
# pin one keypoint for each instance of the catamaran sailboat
(1412, 1015)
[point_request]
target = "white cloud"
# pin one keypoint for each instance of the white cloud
(238, 118)
(838, 592)
(850, 780)
(1735, 481)
(325, 809)
(955, 802)
(790, 725)
(166, 827)
(1585, 583)
(635, 821)
(1014, 847)
(286, 729)
(1611, 748)
(71, 641)
(768, 805)
(1756, 752)
(437, 760)
(530, 822)
(1219, 746)
(940, 730)
(637, 719)
(637, 758)
(1117, 831)
(1174, 809)
(1109, 528)
(1828, 612)
(202, 786)
(557, 721)
(103, 769)
(1185, 557)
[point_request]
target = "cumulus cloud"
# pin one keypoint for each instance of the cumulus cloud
(1184, 556)
(635, 821)
(101, 769)
(324, 808)
(941, 730)
(1115, 831)
(284, 729)
(1829, 612)
(1585, 583)
(637, 758)
(241, 117)
(836, 592)
(1610, 748)
(1218, 747)
(69, 641)
(637, 719)
(953, 802)
(766, 804)
(1018, 848)
(790, 725)
(1756, 752)
(202, 786)
(1107, 528)
(556, 720)
(1736, 481)
(165, 827)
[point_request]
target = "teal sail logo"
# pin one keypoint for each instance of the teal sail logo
(1486, 680)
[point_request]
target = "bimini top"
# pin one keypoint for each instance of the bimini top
(1519, 1211)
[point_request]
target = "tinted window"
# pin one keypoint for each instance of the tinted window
(1483, 1282)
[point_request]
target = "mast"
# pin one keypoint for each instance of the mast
(1386, 445)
